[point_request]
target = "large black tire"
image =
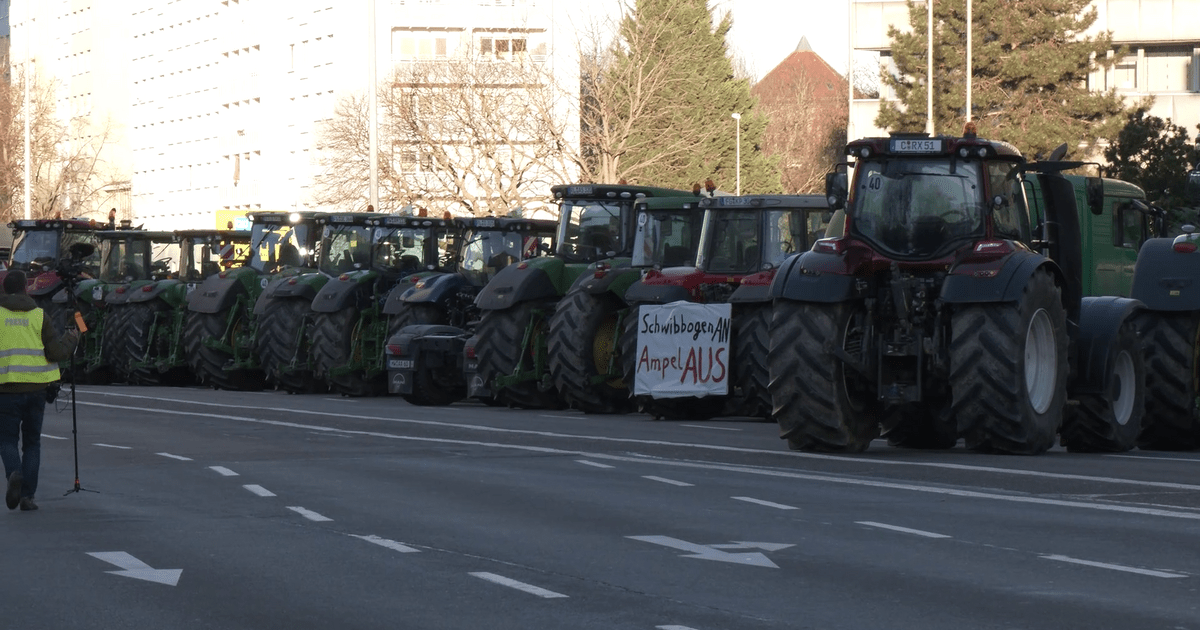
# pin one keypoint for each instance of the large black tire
(413, 314)
(208, 363)
(751, 341)
(1172, 346)
(926, 426)
(583, 341)
(284, 334)
(1008, 370)
(139, 347)
(335, 342)
(500, 352)
(112, 340)
(1110, 422)
(820, 402)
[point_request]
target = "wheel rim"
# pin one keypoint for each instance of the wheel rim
(603, 345)
(1041, 361)
(1122, 388)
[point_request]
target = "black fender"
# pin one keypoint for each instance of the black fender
(616, 279)
(215, 294)
(156, 290)
(641, 293)
(795, 282)
(301, 287)
(1006, 285)
(337, 294)
(118, 295)
(434, 289)
(749, 293)
(513, 285)
(1164, 279)
(1100, 319)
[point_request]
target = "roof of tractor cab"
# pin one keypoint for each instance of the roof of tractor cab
(611, 191)
(405, 221)
(506, 224)
(223, 234)
(160, 236)
(89, 225)
(678, 202)
(922, 145)
(350, 218)
(767, 201)
(283, 216)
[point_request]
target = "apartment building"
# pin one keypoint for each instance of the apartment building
(1162, 38)
(216, 104)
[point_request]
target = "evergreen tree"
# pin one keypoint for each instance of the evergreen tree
(1030, 74)
(673, 91)
(1156, 155)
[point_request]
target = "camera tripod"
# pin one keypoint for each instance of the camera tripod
(72, 310)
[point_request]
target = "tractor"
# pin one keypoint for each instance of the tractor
(39, 247)
(743, 242)
(948, 308)
(432, 319)
(517, 357)
(220, 327)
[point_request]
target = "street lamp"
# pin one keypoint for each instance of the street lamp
(737, 116)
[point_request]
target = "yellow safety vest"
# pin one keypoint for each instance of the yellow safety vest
(22, 356)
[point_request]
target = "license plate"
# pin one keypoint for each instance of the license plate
(916, 146)
(400, 364)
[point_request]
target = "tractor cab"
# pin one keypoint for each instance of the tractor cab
(596, 222)
(281, 240)
(491, 244)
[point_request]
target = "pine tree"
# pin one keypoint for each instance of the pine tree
(1030, 74)
(671, 91)
(1155, 154)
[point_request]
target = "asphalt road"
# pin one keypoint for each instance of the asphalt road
(227, 510)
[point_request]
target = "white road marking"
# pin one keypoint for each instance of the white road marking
(1156, 459)
(179, 457)
(701, 426)
(744, 469)
(123, 448)
(897, 528)
(596, 464)
(766, 503)
(546, 415)
(259, 490)
(309, 514)
(665, 480)
(53, 437)
(673, 628)
(223, 470)
(136, 569)
(710, 552)
(520, 586)
(390, 544)
(1115, 567)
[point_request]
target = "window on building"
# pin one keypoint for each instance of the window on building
(1167, 69)
(1125, 74)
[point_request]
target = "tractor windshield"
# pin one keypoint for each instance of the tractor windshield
(590, 230)
(666, 238)
(35, 246)
(488, 252)
(124, 259)
(917, 208)
(401, 250)
(345, 248)
(274, 246)
(200, 258)
(731, 242)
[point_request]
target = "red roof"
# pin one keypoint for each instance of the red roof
(802, 64)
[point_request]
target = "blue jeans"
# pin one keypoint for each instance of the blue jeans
(21, 417)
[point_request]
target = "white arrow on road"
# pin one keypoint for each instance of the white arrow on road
(134, 568)
(713, 552)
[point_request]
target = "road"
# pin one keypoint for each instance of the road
(231, 510)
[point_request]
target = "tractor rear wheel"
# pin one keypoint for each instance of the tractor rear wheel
(336, 342)
(583, 341)
(139, 346)
(113, 346)
(751, 340)
(501, 353)
(820, 402)
(207, 362)
(1172, 346)
(1008, 370)
(1110, 422)
(284, 336)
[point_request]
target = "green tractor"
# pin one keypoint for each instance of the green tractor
(284, 309)
(350, 329)
(220, 326)
(743, 242)
(953, 305)
(147, 316)
(509, 359)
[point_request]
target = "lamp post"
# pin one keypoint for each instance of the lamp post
(737, 117)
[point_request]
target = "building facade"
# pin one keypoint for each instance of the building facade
(217, 104)
(1162, 38)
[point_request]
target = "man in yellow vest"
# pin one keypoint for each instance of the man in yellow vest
(29, 351)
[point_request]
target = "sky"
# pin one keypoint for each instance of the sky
(765, 32)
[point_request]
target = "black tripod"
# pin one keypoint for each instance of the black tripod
(73, 310)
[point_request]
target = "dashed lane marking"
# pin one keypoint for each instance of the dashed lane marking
(701, 426)
(668, 481)
(596, 464)
(223, 471)
(123, 448)
(259, 490)
(389, 544)
(309, 514)
(520, 586)
(1115, 567)
(778, 506)
(179, 457)
(906, 530)
(53, 437)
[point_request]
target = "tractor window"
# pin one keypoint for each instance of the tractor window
(589, 230)
(666, 239)
(400, 250)
(734, 244)
(346, 248)
(1131, 227)
(1008, 219)
(486, 253)
(917, 208)
(164, 260)
(275, 246)
(40, 246)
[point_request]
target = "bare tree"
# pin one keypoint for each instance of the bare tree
(465, 134)
(68, 173)
(806, 131)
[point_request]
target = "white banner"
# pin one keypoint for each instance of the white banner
(683, 350)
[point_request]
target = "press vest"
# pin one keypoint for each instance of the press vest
(22, 356)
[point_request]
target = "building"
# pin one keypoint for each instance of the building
(216, 104)
(1162, 37)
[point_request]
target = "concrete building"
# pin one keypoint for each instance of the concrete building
(1162, 36)
(216, 104)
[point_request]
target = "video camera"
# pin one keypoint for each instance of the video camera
(72, 267)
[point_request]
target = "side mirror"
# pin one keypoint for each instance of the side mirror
(836, 187)
(1095, 195)
(1191, 189)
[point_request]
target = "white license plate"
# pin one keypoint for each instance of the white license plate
(916, 146)
(400, 364)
